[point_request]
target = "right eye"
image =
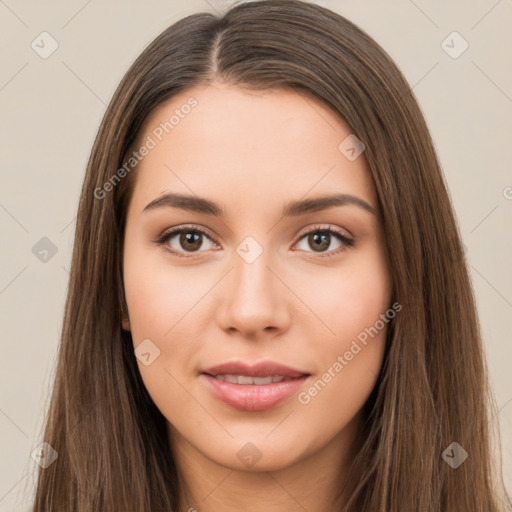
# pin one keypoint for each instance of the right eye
(188, 239)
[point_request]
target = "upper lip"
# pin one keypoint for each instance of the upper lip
(262, 369)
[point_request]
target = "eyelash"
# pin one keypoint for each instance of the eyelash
(167, 235)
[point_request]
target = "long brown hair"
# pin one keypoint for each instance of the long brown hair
(111, 440)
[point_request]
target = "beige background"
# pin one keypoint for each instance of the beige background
(51, 109)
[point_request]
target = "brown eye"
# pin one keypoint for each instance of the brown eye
(190, 240)
(184, 240)
(320, 239)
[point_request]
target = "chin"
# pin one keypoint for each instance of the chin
(258, 455)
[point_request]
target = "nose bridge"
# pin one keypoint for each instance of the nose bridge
(254, 297)
(252, 279)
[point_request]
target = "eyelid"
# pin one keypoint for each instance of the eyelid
(167, 234)
(325, 227)
(347, 241)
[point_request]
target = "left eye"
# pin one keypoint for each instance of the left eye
(191, 240)
(321, 240)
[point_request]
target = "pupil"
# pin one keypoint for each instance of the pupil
(324, 238)
(191, 239)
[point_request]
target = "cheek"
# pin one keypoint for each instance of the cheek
(162, 305)
(349, 300)
(159, 311)
(347, 367)
(155, 294)
(354, 307)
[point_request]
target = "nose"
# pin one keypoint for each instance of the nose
(254, 298)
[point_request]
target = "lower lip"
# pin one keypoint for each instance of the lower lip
(252, 397)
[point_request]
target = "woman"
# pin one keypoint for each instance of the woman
(269, 306)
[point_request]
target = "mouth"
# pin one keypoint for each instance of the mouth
(253, 388)
(245, 380)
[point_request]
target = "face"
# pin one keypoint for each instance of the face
(251, 270)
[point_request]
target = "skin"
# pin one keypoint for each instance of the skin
(252, 152)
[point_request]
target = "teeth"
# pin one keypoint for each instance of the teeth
(262, 380)
(245, 380)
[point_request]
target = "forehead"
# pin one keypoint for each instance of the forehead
(258, 143)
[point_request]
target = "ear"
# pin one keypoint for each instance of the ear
(125, 319)
(125, 322)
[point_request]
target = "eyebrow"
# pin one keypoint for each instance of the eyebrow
(291, 209)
